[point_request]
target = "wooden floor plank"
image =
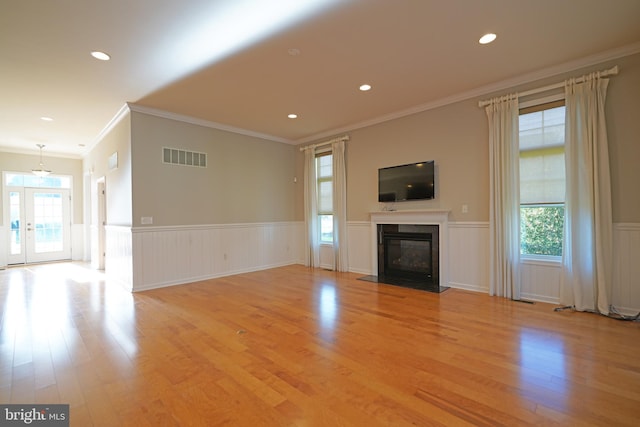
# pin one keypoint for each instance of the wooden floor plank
(294, 346)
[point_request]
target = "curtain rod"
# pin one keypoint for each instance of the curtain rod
(610, 72)
(331, 141)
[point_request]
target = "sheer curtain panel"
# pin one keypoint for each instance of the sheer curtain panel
(312, 246)
(587, 251)
(504, 211)
(340, 249)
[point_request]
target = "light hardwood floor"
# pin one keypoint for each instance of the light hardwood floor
(299, 347)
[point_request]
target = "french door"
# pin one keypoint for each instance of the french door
(40, 226)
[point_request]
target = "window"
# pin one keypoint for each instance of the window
(30, 180)
(324, 175)
(542, 179)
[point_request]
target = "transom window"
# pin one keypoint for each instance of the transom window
(12, 179)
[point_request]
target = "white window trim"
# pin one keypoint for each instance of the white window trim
(533, 259)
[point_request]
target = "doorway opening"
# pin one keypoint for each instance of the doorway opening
(38, 211)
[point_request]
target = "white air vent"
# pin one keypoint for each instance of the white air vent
(175, 156)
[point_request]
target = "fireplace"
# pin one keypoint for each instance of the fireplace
(410, 248)
(409, 254)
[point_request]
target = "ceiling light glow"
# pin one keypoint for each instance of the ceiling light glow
(207, 36)
(487, 38)
(365, 87)
(46, 119)
(100, 55)
(293, 116)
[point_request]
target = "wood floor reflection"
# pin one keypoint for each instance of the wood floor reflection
(294, 346)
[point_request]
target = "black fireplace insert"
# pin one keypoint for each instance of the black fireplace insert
(408, 255)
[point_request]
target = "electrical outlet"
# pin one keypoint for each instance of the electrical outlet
(465, 208)
(146, 220)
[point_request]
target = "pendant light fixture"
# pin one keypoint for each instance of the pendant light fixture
(41, 171)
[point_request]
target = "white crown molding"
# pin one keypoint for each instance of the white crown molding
(481, 91)
(121, 114)
(588, 61)
(206, 123)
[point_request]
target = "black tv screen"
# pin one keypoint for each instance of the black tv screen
(415, 181)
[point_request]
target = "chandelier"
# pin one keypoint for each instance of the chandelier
(41, 171)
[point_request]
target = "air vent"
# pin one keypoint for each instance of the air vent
(175, 156)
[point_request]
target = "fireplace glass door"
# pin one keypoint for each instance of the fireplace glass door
(408, 257)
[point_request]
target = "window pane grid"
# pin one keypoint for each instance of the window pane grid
(48, 219)
(29, 180)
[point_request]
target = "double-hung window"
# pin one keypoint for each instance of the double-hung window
(542, 179)
(324, 176)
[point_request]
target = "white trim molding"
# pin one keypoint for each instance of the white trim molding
(204, 123)
(469, 256)
(173, 255)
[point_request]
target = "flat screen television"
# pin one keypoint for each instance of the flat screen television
(415, 181)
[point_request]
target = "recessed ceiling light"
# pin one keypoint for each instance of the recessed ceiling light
(293, 116)
(294, 51)
(46, 119)
(365, 87)
(487, 38)
(100, 55)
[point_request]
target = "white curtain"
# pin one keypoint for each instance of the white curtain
(504, 211)
(587, 250)
(312, 246)
(340, 249)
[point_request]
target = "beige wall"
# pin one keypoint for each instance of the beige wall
(456, 137)
(247, 179)
(117, 181)
(12, 162)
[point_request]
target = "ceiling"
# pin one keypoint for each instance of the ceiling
(247, 64)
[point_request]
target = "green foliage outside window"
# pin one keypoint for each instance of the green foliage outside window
(541, 230)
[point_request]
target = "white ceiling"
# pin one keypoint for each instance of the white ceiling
(229, 61)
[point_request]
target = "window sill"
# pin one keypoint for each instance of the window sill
(552, 261)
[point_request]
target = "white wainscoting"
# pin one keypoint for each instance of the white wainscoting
(165, 256)
(469, 256)
(145, 258)
(359, 234)
(118, 261)
(540, 280)
(626, 271)
(77, 242)
(469, 263)
(326, 256)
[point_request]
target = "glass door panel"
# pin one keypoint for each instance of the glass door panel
(16, 231)
(48, 228)
(47, 222)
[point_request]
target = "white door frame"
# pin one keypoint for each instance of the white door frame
(102, 221)
(29, 253)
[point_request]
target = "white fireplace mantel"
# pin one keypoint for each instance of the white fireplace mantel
(439, 217)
